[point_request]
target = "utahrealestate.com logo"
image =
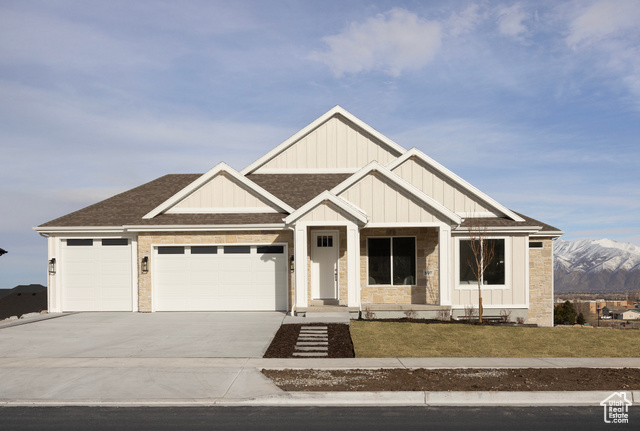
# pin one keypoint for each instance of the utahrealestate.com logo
(616, 408)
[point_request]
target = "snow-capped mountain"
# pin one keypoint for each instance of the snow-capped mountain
(596, 266)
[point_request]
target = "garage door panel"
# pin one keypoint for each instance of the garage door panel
(235, 278)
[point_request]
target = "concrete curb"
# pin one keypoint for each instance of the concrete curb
(343, 399)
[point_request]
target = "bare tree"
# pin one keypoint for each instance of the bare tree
(483, 252)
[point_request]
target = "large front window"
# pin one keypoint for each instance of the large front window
(495, 272)
(392, 260)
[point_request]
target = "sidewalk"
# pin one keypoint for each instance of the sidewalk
(238, 381)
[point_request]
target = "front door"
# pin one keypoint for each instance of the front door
(324, 265)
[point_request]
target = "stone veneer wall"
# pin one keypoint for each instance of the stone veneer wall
(147, 240)
(343, 292)
(426, 290)
(541, 283)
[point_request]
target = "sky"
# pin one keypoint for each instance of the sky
(536, 103)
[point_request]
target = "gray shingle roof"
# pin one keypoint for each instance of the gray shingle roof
(129, 208)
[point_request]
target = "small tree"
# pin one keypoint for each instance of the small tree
(580, 320)
(483, 253)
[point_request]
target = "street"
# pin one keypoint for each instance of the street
(306, 418)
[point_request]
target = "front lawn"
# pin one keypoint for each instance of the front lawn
(404, 339)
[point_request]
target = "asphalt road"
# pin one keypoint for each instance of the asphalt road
(309, 418)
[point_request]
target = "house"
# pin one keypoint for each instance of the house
(337, 214)
(631, 314)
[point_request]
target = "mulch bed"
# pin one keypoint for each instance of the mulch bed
(284, 342)
(520, 379)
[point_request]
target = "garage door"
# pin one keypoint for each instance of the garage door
(96, 274)
(220, 278)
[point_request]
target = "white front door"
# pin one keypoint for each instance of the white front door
(324, 265)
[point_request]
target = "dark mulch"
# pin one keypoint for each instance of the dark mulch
(284, 342)
(521, 379)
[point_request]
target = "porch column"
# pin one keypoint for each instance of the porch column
(444, 257)
(300, 264)
(353, 265)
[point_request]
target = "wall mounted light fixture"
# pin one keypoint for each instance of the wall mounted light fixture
(52, 266)
(144, 267)
(291, 263)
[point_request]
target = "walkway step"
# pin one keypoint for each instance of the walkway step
(313, 341)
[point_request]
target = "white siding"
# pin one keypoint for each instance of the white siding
(325, 212)
(439, 188)
(222, 192)
(336, 144)
(384, 202)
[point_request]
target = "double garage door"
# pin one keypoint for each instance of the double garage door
(97, 275)
(220, 278)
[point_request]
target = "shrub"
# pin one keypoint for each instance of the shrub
(565, 313)
(580, 319)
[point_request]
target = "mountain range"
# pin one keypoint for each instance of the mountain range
(596, 266)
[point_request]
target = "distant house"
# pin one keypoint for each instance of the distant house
(23, 299)
(338, 214)
(631, 314)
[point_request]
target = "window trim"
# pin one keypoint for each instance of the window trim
(507, 266)
(415, 251)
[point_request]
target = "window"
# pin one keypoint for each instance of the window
(170, 250)
(270, 249)
(495, 272)
(392, 260)
(204, 249)
(79, 242)
(325, 241)
(535, 244)
(237, 249)
(115, 241)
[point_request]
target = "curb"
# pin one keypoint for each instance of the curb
(353, 399)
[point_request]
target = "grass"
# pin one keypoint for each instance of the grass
(406, 340)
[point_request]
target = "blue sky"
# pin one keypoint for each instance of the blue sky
(536, 103)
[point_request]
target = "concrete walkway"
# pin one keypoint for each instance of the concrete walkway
(31, 377)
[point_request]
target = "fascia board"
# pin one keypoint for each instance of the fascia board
(200, 228)
(327, 196)
(71, 229)
(554, 233)
(410, 188)
(336, 110)
(502, 229)
(220, 167)
(454, 178)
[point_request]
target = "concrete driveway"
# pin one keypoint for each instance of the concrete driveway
(136, 358)
(143, 335)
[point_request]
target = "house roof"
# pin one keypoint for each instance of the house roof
(297, 189)
(128, 207)
(507, 223)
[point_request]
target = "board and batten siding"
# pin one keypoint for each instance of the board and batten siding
(335, 144)
(222, 192)
(516, 291)
(325, 212)
(439, 188)
(385, 202)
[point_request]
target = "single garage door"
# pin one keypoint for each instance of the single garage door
(220, 278)
(96, 274)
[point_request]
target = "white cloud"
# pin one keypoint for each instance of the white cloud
(465, 21)
(603, 20)
(510, 20)
(392, 42)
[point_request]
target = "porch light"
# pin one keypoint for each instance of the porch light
(145, 265)
(291, 263)
(52, 266)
